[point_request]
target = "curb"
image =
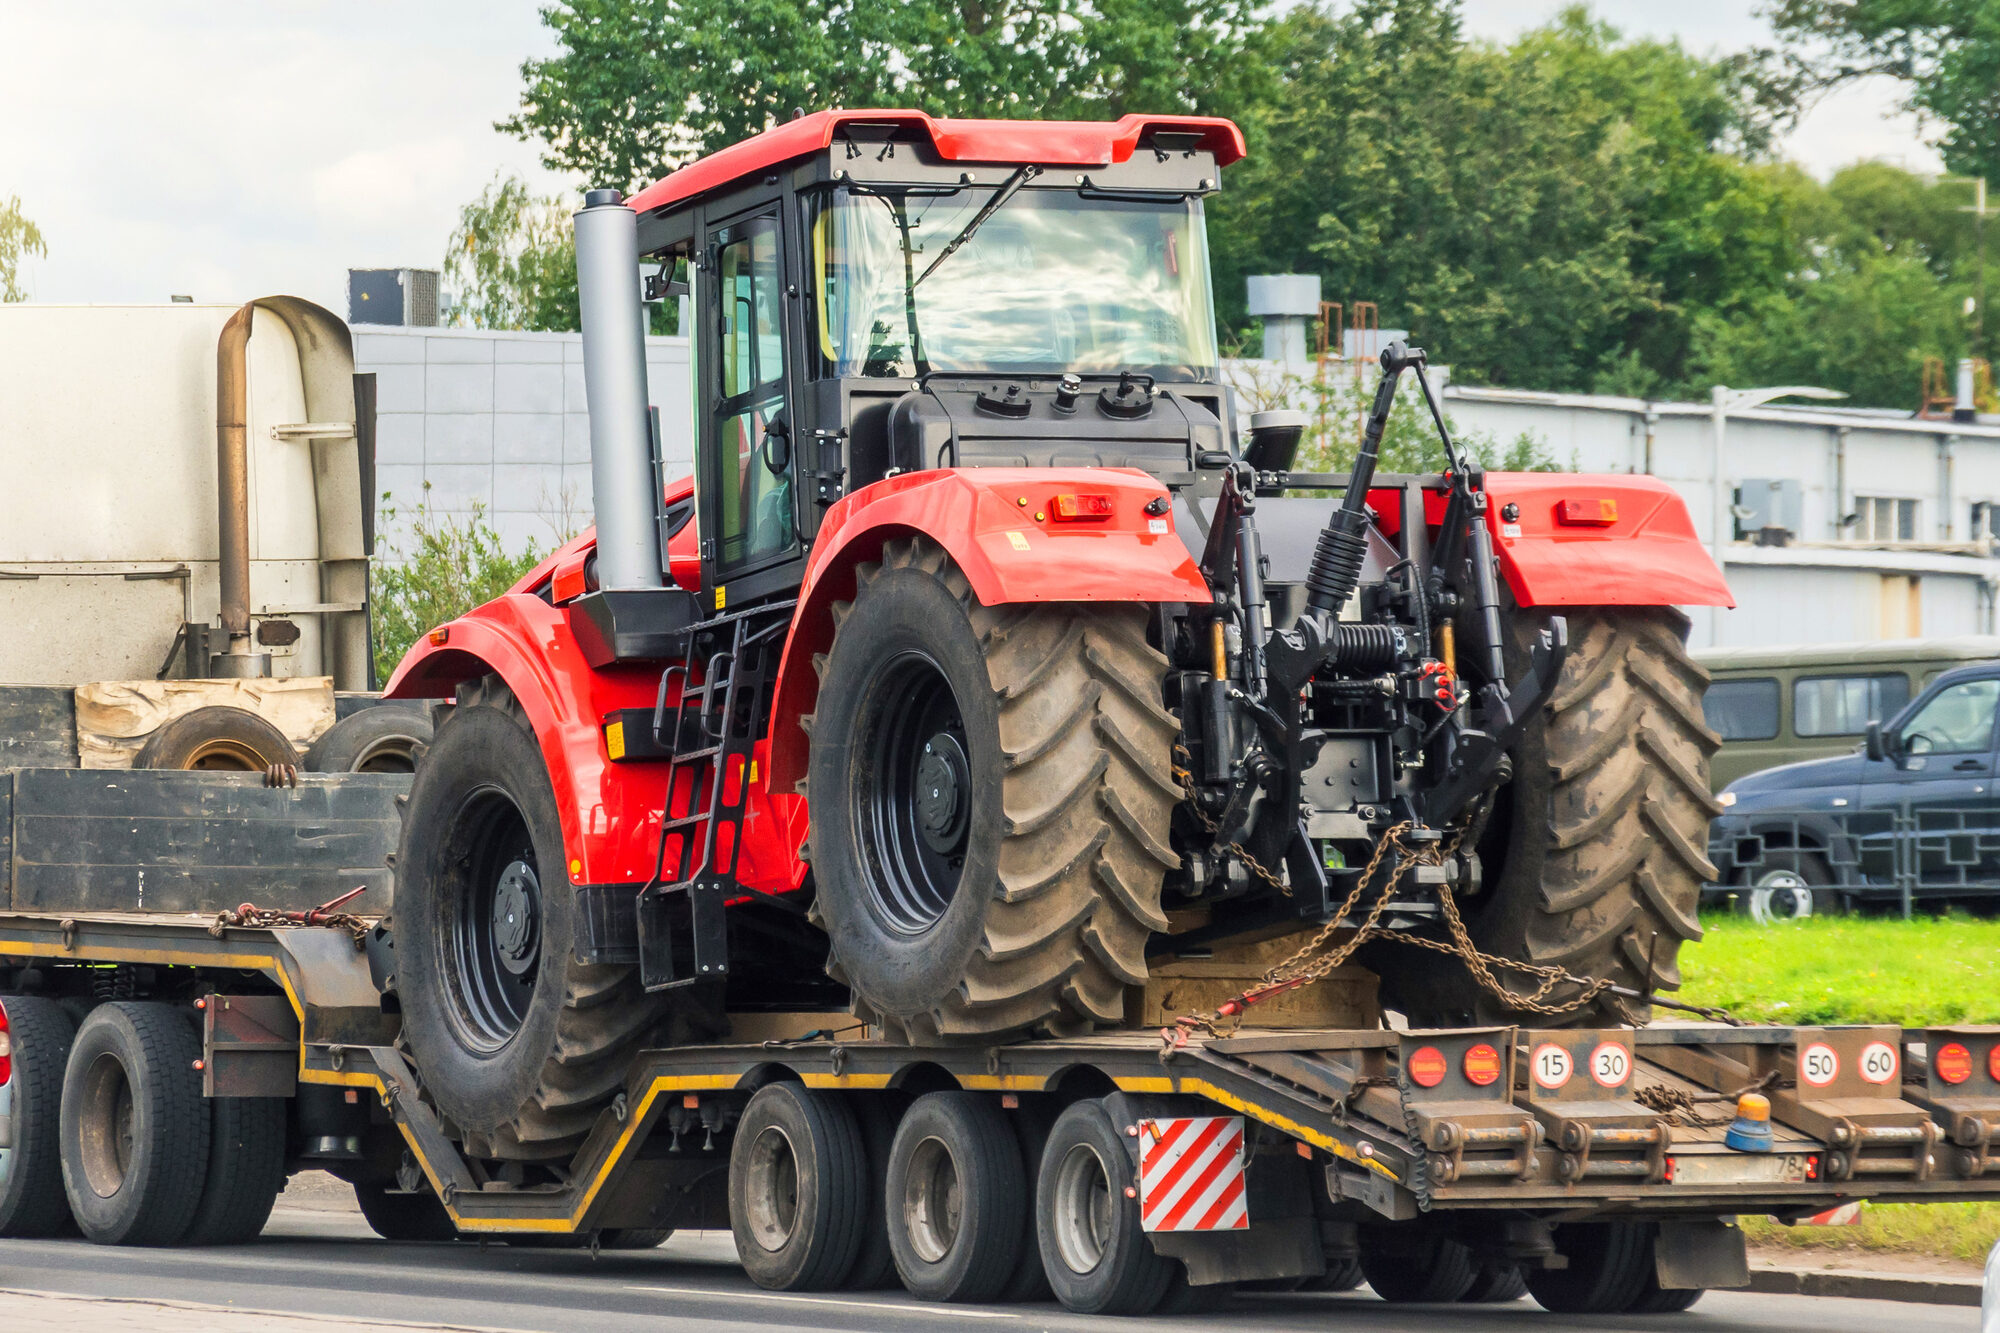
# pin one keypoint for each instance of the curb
(1859, 1284)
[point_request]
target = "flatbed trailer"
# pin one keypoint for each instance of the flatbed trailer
(1522, 1146)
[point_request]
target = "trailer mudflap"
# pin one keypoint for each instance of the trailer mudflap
(1842, 1086)
(249, 1046)
(1961, 1089)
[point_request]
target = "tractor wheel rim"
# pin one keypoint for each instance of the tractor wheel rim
(772, 1189)
(495, 934)
(932, 1201)
(1083, 1209)
(915, 818)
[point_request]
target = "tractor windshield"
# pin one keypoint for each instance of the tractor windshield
(1046, 282)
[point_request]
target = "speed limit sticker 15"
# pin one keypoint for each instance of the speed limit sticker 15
(1818, 1065)
(1878, 1062)
(1610, 1064)
(1551, 1065)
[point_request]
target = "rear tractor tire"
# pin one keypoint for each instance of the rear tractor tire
(991, 793)
(1596, 851)
(521, 1045)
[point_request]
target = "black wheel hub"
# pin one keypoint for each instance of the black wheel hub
(914, 798)
(517, 917)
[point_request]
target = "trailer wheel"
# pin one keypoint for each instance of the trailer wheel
(1094, 1250)
(1032, 1121)
(135, 1128)
(1495, 1281)
(878, 1113)
(1340, 1275)
(393, 1215)
(798, 1189)
(520, 1044)
(1596, 851)
(957, 1192)
(1656, 1299)
(991, 796)
(1421, 1266)
(32, 1202)
(246, 1170)
(1609, 1266)
(217, 739)
(386, 738)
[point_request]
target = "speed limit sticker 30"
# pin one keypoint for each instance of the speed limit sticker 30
(1610, 1065)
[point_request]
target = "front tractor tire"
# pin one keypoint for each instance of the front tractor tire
(1596, 851)
(521, 1045)
(991, 791)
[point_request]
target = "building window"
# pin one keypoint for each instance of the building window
(1742, 710)
(1985, 521)
(1845, 705)
(1884, 518)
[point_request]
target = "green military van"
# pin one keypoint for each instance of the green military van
(1778, 705)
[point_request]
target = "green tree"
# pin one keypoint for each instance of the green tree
(511, 261)
(20, 238)
(640, 85)
(1947, 51)
(445, 566)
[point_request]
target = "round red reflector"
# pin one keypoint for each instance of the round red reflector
(1993, 1062)
(1953, 1062)
(1482, 1065)
(1427, 1066)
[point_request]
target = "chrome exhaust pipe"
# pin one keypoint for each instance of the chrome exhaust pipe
(624, 480)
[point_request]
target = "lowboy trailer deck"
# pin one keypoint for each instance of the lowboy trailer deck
(1593, 1165)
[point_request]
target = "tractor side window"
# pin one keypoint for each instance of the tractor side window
(753, 463)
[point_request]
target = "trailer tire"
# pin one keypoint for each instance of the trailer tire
(1496, 1281)
(878, 1113)
(1020, 891)
(384, 738)
(521, 1046)
(1429, 1268)
(32, 1202)
(1609, 1266)
(135, 1127)
(1595, 853)
(1032, 1121)
(798, 1189)
(1340, 1275)
(1093, 1246)
(403, 1217)
(957, 1191)
(1656, 1299)
(217, 739)
(246, 1170)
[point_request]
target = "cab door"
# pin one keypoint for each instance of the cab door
(1938, 781)
(748, 503)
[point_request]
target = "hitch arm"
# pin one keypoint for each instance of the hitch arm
(1478, 758)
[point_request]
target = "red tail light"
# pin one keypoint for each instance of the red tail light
(1080, 508)
(1427, 1066)
(6, 1047)
(1953, 1062)
(1482, 1065)
(1599, 513)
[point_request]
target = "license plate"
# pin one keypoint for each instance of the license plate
(1741, 1168)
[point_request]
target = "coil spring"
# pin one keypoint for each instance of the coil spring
(1336, 563)
(119, 982)
(1365, 647)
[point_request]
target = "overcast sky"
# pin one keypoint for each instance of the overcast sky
(233, 148)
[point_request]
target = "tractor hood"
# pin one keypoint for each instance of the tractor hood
(1047, 421)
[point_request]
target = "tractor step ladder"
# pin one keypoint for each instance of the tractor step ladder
(710, 729)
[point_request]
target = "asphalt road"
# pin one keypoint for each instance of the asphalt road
(326, 1263)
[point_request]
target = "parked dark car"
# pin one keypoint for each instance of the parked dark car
(1910, 815)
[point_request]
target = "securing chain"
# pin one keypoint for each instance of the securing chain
(251, 916)
(1236, 849)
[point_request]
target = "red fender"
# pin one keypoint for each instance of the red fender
(1589, 540)
(999, 525)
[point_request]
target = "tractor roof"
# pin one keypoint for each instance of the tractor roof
(1063, 143)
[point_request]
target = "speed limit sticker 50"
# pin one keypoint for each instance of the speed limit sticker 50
(1818, 1065)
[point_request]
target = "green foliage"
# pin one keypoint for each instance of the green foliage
(638, 85)
(1947, 51)
(511, 261)
(1852, 969)
(19, 239)
(1962, 1231)
(448, 565)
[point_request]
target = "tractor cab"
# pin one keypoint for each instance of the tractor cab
(878, 293)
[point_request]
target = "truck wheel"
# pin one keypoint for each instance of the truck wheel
(1495, 1281)
(1032, 1121)
(520, 1045)
(217, 739)
(991, 794)
(386, 738)
(135, 1127)
(1609, 1265)
(403, 1217)
(32, 1203)
(957, 1193)
(798, 1189)
(1596, 852)
(1093, 1248)
(1424, 1268)
(246, 1170)
(1340, 1275)
(1792, 887)
(878, 1114)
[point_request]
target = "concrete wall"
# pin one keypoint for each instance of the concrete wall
(498, 420)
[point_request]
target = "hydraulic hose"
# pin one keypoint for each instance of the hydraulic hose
(1343, 542)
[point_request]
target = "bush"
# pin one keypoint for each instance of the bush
(446, 565)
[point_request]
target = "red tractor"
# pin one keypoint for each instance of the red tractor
(976, 560)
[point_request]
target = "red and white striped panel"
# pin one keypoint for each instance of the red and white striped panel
(1191, 1174)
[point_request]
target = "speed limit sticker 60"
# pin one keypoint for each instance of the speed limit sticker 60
(1878, 1062)
(1610, 1065)
(1818, 1065)
(1552, 1065)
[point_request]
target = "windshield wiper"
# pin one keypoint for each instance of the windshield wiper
(1000, 196)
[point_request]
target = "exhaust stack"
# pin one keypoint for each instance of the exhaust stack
(625, 485)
